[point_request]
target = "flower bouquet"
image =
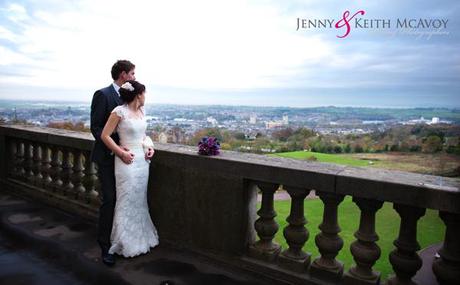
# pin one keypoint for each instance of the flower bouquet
(208, 146)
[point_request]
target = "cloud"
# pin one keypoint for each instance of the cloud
(206, 44)
(213, 45)
(15, 13)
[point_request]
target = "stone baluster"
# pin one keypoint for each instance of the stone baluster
(328, 241)
(46, 166)
(12, 161)
(447, 267)
(67, 186)
(296, 234)
(28, 162)
(55, 170)
(77, 175)
(20, 161)
(37, 177)
(364, 250)
(90, 180)
(404, 259)
(98, 190)
(266, 226)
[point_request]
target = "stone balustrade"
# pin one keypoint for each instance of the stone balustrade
(208, 205)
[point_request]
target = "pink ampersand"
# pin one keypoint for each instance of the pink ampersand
(345, 21)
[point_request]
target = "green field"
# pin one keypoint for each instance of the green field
(443, 164)
(430, 229)
(324, 157)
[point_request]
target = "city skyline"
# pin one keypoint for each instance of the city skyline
(238, 53)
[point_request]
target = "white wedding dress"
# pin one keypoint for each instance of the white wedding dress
(133, 232)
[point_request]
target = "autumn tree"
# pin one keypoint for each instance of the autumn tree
(282, 134)
(432, 144)
(67, 125)
(206, 132)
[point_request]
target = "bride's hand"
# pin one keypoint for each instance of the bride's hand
(126, 155)
(149, 153)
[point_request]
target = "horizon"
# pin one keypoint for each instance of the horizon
(63, 102)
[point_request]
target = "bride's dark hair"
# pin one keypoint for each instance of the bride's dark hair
(129, 93)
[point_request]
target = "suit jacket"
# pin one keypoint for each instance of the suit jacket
(104, 101)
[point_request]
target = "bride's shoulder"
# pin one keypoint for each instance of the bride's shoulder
(120, 110)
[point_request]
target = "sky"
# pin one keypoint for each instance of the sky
(232, 52)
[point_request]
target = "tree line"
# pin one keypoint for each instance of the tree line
(418, 138)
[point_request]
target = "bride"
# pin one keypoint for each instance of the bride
(133, 232)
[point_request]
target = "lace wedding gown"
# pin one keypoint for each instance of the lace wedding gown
(133, 232)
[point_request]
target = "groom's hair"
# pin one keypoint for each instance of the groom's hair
(128, 96)
(120, 66)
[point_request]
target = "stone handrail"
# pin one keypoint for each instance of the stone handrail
(208, 204)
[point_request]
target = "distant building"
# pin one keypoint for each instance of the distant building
(285, 119)
(253, 119)
(277, 124)
(272, 124)
(176, 135)
(212, 121)
(180, 120)
(422, 120)
(162, 138)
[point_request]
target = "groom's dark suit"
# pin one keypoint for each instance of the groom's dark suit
(104, 101)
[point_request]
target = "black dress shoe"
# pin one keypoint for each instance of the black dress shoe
(108, 259)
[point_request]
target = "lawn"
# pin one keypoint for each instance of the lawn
(442, 164)
(430, 229)
(324, 157)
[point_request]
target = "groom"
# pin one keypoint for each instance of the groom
(104, 101)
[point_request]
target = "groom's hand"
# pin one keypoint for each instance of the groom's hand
(149, 153)
(126, 155)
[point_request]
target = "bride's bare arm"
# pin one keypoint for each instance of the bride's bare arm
(109, 128)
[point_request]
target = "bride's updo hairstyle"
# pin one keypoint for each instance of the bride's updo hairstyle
(130, 89)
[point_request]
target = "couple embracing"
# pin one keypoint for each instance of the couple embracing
(122, 153)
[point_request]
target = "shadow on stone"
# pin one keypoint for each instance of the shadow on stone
(167, 267)
(186, 273)
(79, 227)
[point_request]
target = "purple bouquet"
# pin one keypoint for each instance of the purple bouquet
(208, 146)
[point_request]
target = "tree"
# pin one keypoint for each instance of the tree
(358, 148)
(394, 147)
(415, 148)
(78, 126)
(198, 135)
(432, 144)
(404, 146)
(337, 149)
(239, 136)
(294, 146)
(282, 134)
(304, 133)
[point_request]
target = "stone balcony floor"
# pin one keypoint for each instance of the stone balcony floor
(42, 245)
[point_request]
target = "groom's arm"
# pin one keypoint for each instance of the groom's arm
(98, 113)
